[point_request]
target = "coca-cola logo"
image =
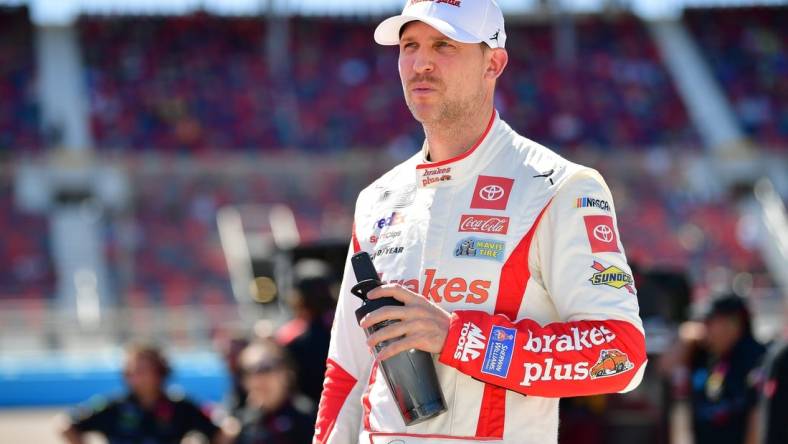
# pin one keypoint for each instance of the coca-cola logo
(474, 223)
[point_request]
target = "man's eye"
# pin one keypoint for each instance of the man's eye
(410, 45)
(442, 44)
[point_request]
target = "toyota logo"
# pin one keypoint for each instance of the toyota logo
(603, 233)
(491, 193)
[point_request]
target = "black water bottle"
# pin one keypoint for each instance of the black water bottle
(410, 374)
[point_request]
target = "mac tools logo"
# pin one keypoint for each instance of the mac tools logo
(491, 192)
(470, 343)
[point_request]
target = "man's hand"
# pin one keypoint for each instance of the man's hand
(424, 325)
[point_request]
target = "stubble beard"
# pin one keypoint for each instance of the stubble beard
(448, 115)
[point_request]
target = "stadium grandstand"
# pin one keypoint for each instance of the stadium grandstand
(163, 165)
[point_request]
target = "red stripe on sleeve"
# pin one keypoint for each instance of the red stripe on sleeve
(336, 388)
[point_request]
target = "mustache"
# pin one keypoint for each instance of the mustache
(424, 79)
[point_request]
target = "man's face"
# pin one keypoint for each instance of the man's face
(141, 375)
(722, 333)
(443, 79)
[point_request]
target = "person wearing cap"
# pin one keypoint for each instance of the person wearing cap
(273, 414)
(505, 255)
(722, 358)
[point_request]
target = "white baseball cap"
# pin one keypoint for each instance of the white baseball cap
(466, 21)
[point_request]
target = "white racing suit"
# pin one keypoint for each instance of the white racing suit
(521, 246)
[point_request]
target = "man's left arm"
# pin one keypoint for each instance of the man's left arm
(599, 347)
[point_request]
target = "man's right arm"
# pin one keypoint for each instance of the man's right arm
(349, 360)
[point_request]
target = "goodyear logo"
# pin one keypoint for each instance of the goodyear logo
(612, 277)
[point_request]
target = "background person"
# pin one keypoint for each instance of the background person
(272, 414)
(146, 414)
(308, 334)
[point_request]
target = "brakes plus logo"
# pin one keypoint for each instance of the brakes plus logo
(448, 2)
(612, 277)
(451, 290)
(472, 223)
(470, 343)
(550, 369)
(601, 234)
(610, 363)
(491, 192)
(434, 175)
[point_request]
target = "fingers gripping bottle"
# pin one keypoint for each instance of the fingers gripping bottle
(410, 375)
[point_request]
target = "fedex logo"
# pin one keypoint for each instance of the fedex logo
(470, 344)
(455, 289)
(394, 219)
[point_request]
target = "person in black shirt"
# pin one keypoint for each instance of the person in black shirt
(273, 414)
(723, 375)
(774, 402)
(308, 335)
(146, 414)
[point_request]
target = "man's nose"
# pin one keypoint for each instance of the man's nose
(422, 62)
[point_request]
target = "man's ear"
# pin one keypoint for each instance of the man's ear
(498, 60)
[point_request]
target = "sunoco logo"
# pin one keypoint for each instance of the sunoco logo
(612, 277)
(470, 344)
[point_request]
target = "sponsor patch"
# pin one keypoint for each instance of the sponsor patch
(473, 247)
(393, 219)
(470, 343)
(431, 176)
(499, 351)
(385, 251)
(449, 289)
(610, 363)
(383, 236)
(612, 277)
(601, 234)
(476, 223)
(491, 192)
(590, 202)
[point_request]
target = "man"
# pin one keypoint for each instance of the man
(505, 255)
(308, 334)
(147, 414)
(724, 368)
(271, 415)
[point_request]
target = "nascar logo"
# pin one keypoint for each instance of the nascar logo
(590, 202)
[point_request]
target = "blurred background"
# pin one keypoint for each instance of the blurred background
(172, 170)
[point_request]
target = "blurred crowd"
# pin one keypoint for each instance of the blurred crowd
(19, 115)
(275, 383)
(736, 388)
(747, 50)
(205, 83)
